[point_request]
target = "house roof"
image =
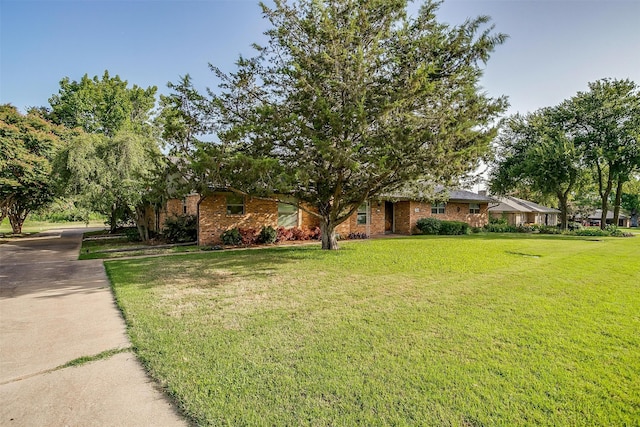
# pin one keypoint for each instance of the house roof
(514, 204)
(598, 213)
(451, 195)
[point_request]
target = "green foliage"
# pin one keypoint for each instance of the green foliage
(231, 237)
(116, 166)
(538, 152)
(268, 235)
(445, 228)
(607, 125)
(28, 144)
(453, 228)
(344, 101)
(590, 232)
(428, 225)
(104, 106)
(181, 229)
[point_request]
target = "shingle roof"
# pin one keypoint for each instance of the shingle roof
(451, 195)
(514, 204)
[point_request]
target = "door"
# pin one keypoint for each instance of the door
(388, 217)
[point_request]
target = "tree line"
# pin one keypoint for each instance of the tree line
(347, 100)
(588, 142)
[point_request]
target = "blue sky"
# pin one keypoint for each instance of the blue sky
(555, 46)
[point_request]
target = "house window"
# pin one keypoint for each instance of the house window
(287, 215)
(184, 205)
(474, 208)
(235, 204)
(363, 214)
(437, 208)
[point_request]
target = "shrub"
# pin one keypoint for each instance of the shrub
(500, 221)
(231, 237)
(132, 234)
(453, 228)
(429, 225)
(298, 233)
(268, 234)
(354, 236)
(180, 229)
(544, 229)
(249, 236)
(591, 232)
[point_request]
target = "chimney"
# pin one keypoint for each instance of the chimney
(483, 193)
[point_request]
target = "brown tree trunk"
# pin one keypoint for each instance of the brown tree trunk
(141, 224)
(113, 220)
(563, 205)
(329, 239)
(616, 206)
(16, 219)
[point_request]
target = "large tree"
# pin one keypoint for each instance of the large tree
(349, 99)
(537, 151)
(111, 166)
(28, 144)
(607, 125)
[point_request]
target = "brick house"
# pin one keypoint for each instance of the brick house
(519, 212)
(388, 214)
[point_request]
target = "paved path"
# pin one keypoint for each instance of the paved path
(54, 309)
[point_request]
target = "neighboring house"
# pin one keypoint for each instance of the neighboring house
(519, 212)
(595, 218)
(387, 214)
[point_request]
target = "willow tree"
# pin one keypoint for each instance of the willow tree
(351, 98)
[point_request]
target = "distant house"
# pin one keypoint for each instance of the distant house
(519, 212)
(595, 218)
(388, 214)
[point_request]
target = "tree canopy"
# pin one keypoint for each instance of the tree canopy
(594, 135)
(113, 164)
(538, 152)
(28, 144)
(349, 99)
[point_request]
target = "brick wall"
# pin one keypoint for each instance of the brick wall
(214, 221)
(174, 207)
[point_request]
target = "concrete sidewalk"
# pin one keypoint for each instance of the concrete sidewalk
(54, 309)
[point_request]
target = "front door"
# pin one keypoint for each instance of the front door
(388, 217)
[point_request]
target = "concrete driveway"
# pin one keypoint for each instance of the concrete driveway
(54, 309)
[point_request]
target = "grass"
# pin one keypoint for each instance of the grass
(31, 227)
(464, 331)
(88, 359)
(94, 249)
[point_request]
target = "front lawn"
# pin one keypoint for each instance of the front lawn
(463, 331)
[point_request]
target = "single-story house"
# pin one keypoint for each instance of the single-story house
(595, 218)
(519, 212)
(387, 214)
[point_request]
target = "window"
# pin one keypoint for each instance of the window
(287, 215)
(363, 214)
(235, 204)
(437, 208)
(184, 205)
(474, 208)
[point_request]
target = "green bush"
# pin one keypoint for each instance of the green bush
(453, 228)
(181, 229)
(429, 225)
(499, 227)
(591, 232)
(268, 234)
(231, 237)
(547, 229)
(132, 234)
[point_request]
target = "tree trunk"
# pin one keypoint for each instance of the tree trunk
(141, 224)
(563, 205)
(113, 220)
(328, 230)
(605, 204)
(616, 206)
(16, 219)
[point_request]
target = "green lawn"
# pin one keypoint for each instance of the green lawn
(462, 331)
(30, 227)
